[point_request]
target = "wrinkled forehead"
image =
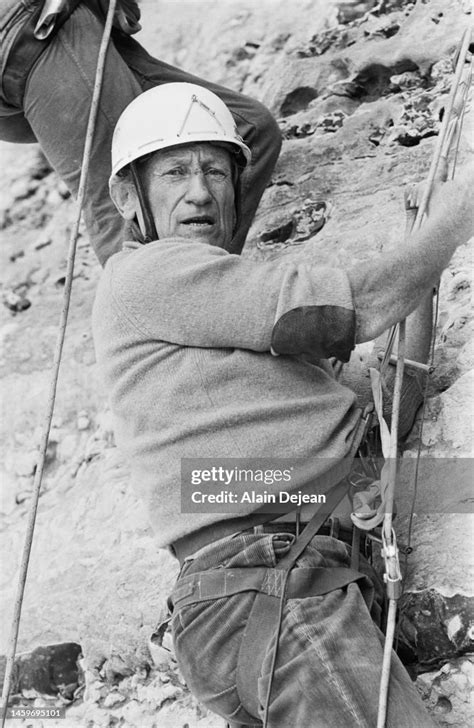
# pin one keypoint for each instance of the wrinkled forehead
(203, 152)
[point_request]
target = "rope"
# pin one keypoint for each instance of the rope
(387, 657)
(447, 119)
(454, 104)
(392, 574)
(393, 462)
(460, 121)
(11, 651)
(451, 122)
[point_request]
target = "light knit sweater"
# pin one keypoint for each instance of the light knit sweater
(205, 354)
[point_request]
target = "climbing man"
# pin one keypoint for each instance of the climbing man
(48, 58)
(210, 355)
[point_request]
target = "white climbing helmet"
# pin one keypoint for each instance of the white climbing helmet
(172, 114)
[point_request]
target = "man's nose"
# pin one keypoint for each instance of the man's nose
(197, 190)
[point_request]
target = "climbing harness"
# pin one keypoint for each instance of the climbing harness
(273, 586)
(11, 651)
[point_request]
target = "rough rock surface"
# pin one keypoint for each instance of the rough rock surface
(358, 95)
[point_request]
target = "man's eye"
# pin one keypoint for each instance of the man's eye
(175, 172)
(216, 173)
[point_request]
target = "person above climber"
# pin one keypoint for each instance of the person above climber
(48, 57)
(205, 356)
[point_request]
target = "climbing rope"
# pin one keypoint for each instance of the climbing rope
(461, 103)
(452, 121)
(450, 129)
(11, 650)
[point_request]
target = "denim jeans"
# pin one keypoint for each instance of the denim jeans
(329, 653)
(57, 101)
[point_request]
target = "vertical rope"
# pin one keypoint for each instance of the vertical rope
(390, 550)
(466, 82)
(386, 664)
(393, 454)
(11, 650)
(453, 118)
(453, 110)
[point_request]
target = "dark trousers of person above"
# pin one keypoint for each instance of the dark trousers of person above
(57, 100)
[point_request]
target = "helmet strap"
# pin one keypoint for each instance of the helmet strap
(238, 210)
(149, 232)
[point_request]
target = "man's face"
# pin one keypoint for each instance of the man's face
(191, 193)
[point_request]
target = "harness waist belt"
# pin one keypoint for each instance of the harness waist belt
(302, 582)
(205, 536)
(192, 542)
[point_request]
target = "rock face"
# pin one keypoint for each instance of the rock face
(448, 692)
(358, 89)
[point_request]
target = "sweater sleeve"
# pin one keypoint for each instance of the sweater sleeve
(192, 294)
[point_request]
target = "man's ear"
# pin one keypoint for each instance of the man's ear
(124, 196)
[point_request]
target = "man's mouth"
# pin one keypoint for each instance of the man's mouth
(199, 221)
